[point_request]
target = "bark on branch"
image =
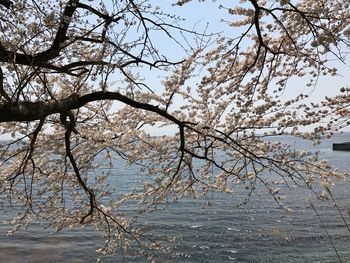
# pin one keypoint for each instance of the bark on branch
(31, 111)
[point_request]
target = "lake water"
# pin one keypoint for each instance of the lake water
(222, 232)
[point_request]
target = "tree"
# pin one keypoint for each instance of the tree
(77, 82)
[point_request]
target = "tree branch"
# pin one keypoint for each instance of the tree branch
(52, 52)
(31, 111)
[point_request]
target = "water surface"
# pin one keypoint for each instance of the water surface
(221, 232)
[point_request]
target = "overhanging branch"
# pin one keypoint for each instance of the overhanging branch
(31, 111)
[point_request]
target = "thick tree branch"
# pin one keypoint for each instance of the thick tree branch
(31, 111)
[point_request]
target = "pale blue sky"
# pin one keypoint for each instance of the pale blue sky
(208, 12)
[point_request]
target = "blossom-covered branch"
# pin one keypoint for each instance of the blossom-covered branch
(83, 85)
